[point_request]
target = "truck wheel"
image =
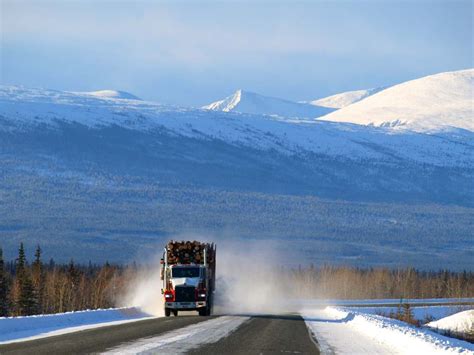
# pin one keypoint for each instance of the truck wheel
(209, 306)
(203, 311)
(175, 312)
(167, 312)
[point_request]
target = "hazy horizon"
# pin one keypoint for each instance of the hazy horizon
(192, 54)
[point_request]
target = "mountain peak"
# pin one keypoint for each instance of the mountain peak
(251, 102)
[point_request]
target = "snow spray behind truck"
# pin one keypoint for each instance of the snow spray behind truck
(188, 273)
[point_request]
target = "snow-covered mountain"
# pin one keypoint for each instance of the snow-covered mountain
(27, 109)
(249, 102)
(110, 174)
(345, 99)
(109, 94)
(431, 103)
(314, 156)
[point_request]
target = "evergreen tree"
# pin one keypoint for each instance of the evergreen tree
(39, 279)
(26, 300)
(399, 313)
(3, 288)
(408, 314)
(72, 286)
(90, 269)
(21, 261)
(52, 264)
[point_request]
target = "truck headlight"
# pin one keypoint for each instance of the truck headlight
(202, 295)
(168, 295)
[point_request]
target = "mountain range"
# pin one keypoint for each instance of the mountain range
(428, 103)
(113, 173)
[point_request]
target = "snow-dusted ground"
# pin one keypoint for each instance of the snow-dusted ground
(346, 331)
(33, 327)
(180, 341)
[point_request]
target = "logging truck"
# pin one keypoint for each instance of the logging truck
(188, 274)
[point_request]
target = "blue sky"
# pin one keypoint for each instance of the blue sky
(193, 52)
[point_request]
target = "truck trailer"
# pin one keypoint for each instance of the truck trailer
(188, 274)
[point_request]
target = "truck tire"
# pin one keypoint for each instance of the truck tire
(167, 312)
(203, 311)
(209, 306)
(175, 312)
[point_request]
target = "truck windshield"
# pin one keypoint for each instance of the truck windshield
(185, 272)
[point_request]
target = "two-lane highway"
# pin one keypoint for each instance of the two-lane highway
(265, 334)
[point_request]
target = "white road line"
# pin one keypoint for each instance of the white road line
(184, 339)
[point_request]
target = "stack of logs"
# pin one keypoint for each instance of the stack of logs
(189, 252)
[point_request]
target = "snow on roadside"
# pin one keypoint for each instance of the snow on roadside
(309, 303)
(335, 335)
(419, 312)
(461, 322)
(182, 340)
(347, 331)
(14, 329)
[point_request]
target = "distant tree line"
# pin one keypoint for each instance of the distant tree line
(39, 288)
(344, 282)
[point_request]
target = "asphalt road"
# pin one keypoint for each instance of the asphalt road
(266, 334)
(269, 334)
(100, 339)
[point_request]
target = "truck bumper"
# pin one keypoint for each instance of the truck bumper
(185, 305)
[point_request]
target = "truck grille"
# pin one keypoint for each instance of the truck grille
(185, 294)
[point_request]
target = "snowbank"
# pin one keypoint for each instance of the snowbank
(32, 327)
(461, 322)
(348, 331)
